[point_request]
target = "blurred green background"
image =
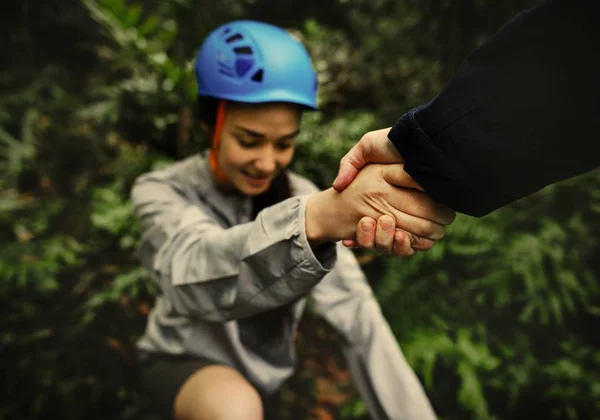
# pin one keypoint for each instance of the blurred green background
(500, 319)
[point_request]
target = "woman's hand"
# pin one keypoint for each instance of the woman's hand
(376, 234)
(333, 216)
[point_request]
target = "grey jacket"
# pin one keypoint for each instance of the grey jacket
(218, 269)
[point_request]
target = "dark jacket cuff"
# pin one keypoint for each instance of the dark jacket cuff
(437, 173)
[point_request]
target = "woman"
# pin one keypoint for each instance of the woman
(237, 242)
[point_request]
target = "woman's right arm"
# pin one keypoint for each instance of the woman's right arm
(224, 274)
(220, 274)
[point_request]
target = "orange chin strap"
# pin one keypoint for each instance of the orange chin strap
(216, 140)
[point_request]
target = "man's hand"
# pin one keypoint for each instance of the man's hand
(333, 216)
(373, 147)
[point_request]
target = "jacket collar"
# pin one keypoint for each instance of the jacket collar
(234, 208)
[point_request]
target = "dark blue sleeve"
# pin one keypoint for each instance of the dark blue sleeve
(519, 114)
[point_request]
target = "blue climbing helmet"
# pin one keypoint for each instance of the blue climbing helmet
(254, 62)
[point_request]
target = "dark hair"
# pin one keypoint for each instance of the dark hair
(206, 109)
(265, 328)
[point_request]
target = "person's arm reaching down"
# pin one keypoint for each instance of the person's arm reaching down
(519, 114)
(221, 274)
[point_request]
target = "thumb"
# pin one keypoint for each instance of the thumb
(373, 147)
(396, 175)
(350, 165)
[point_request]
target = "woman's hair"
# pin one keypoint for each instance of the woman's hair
(206, 110)
(268, 325)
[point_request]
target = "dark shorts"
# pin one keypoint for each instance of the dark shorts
(162, 375)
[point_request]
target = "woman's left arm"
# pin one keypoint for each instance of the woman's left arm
(379, 370)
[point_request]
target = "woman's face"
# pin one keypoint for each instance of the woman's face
(257, 141)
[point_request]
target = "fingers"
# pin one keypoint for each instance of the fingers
(396, 175)
(384, 234)
(390, 240)
(419, 204)
(349, 243)
(418, 226)
(447, 215)
(350, 164)
(365, 233)
(420, 244)
(416, 203)
(373, 147)
(402, 245)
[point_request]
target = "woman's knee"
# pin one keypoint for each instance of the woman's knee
(218, 393)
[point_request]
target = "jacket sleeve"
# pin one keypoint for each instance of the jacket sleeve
(518, 115)
(382, 375)
(221, 274)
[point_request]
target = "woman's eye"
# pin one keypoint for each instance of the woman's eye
(284, 146)
(247, 144)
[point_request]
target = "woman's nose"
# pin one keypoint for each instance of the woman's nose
(267, 162)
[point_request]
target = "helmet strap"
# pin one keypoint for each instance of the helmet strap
(216, 142)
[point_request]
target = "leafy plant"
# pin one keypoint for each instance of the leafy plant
(499, 319)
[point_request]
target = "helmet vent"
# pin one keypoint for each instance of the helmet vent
(258, 76)
(243, 65)
(235, 37)
(243, 50)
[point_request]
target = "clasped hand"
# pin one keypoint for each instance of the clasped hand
(374, 203)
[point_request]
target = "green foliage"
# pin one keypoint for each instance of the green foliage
(501, 288)
(322, 144)
(499, 319)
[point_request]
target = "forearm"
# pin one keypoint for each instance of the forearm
(261, 265)
(324, 218)
(518, 115)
